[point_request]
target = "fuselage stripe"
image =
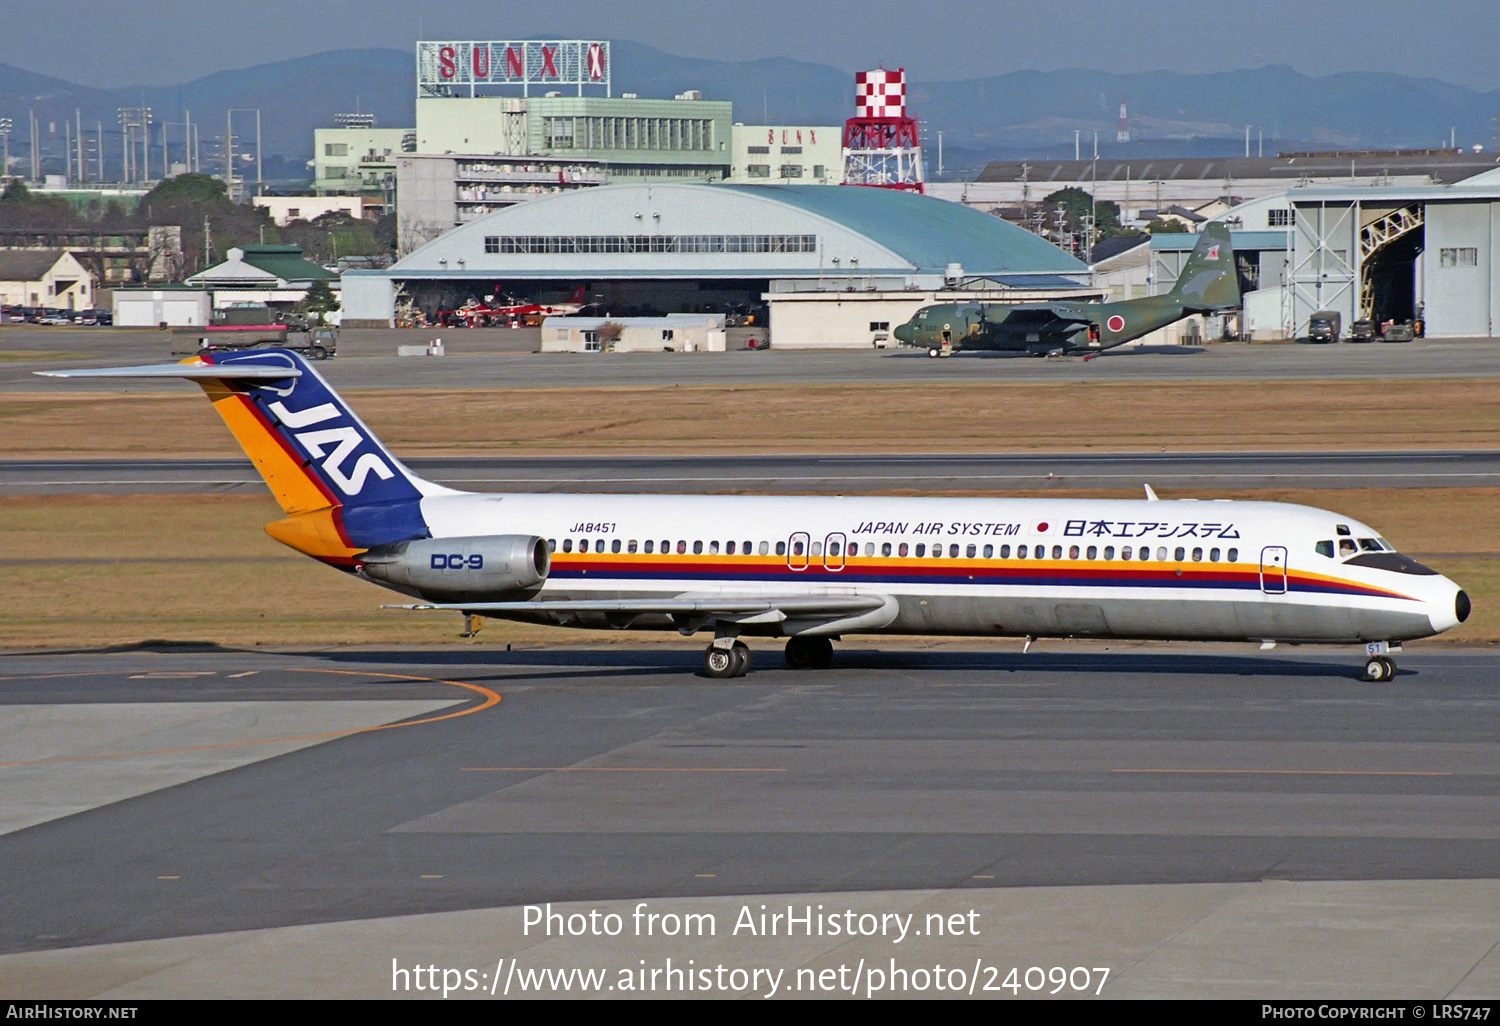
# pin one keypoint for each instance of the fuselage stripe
(944, 572)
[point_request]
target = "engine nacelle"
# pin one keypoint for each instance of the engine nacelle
(489, 567)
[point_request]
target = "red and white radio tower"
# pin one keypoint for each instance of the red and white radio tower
(880, 141)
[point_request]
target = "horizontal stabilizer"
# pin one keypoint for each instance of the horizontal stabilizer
(191, 371)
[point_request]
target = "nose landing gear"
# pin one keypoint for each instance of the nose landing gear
(1379, 666)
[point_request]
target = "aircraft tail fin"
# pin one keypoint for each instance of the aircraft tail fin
(577, 296)
(342, 491)
(1209, 279)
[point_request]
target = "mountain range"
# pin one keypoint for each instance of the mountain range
(1013, 114)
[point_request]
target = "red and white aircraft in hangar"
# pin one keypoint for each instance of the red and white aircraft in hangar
(475, 314)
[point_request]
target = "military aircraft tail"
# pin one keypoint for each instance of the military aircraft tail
(1209, 280)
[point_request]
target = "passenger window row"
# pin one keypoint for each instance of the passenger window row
(903, 550)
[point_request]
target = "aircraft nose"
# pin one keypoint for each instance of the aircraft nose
(1451, 609)
(905, 332)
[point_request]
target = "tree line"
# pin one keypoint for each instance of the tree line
(211, 222)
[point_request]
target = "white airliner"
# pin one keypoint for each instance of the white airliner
(812, 569)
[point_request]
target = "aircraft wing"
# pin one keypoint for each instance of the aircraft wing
(740, 609)
(1041, 317)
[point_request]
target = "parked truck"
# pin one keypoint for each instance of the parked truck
(253, 326)
(1324, 326)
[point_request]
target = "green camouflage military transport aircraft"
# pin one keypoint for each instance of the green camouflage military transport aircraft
(1208, 284)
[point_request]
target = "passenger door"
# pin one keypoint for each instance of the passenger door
(833, 553)
(1273, 570)
(796, 551)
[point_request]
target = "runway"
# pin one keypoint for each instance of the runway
(502, 358)
(159, 794)
(821, 474)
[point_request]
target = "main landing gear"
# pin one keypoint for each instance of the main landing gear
(809, 653)
(733, 661)
(723, 659)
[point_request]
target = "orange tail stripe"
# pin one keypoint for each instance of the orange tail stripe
(295, 489)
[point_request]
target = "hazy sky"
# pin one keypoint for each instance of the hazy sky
(156, 42)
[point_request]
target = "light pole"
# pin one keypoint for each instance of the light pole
(5, 127)
(131, 120)
(229, 146)
(1093, 200)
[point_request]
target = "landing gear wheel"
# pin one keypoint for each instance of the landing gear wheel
(741, 654)
(822, 650)
(797, 656)
(809, 653)
(719, 662)
(934, 351)
(1379, 668)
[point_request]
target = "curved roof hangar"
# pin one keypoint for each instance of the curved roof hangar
(735, 231)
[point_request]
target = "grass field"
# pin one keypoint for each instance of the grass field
(94, 570)
(1177, 417)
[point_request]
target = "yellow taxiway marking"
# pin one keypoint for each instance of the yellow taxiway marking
(169, 878)
(1298, 772)
(247, 673)
(432, 876)
(491, 698)
(620, 769)
(983, 876)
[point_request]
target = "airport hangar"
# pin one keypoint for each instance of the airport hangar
(1386, 252)
(835, 266)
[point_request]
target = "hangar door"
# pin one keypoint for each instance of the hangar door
(135, 313)
(186, 313)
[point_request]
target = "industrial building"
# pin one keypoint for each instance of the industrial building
(677, 333)
(1156, 183)
(685, 137)
(790, 154)
(115, 257)
(1389, 253)
(439, 192)
(285, 209)
(357, 158)
(1393, 253)
(832, 266)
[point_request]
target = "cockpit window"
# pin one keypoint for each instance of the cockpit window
(1342, 530)
(1325, 548)
(1346, 547)
(1369, 545)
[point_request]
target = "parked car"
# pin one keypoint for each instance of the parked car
(1362, 330)
(54, 316)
